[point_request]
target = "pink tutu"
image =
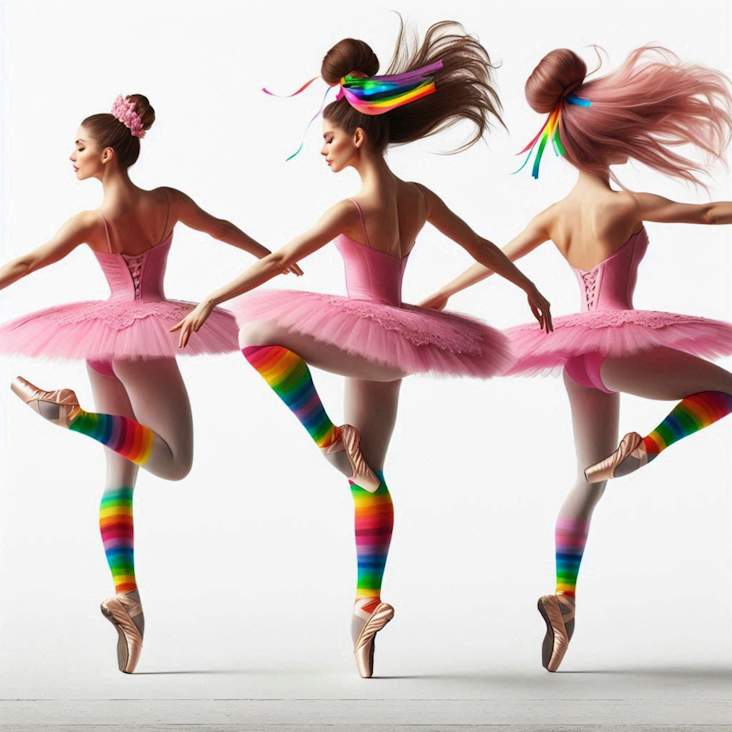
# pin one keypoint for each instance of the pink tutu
(615, 333)
(132, 324)
(105, 330)
(406, 337)
(608, 324)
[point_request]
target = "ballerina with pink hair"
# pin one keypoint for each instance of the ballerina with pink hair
(144, 416)
(652, 104)
(371, 337)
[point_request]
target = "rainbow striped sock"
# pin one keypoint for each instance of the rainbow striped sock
(570, 537)
(374, 526)
(118, 535)
(690, 415)
(289, 377)
(126, 437)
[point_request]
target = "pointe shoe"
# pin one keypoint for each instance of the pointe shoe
(59, 407)
(558, 635)
(350, 441)
(365, 643)
(120, 611)
(631, 445)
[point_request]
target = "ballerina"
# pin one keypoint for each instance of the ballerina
(371, 337)
(644, 110)
(144, 415)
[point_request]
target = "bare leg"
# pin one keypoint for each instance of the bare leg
(159, 438)
(116, 522)
(704, 388)
(595, 417)
(321, 355)
(160, 401)
(282, 359)
(372, 408)
(664, 373)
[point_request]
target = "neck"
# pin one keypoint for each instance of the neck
(374, 172)
(592, 182)
(117, 186)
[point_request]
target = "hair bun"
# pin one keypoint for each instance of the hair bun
(558, 74)
(143, 108)
(346, 56)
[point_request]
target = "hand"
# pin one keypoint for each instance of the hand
(293, 269)
(192, 322)
(540, 308)
(438, 301)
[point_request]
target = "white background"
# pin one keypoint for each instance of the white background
(249, 562)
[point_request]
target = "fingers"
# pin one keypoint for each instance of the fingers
(176, 327)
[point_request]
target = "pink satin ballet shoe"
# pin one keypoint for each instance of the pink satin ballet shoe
(58, 407)
(121, 610)
(559, 629)
(350, 441)
(631, 445)
(364, 648)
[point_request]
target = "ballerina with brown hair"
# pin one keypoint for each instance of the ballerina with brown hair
(652, 104)
(371, 337)
(144, 416)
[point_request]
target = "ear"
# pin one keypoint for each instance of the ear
(359, 137)
(107, 154)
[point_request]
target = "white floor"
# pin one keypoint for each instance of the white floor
(63, 676)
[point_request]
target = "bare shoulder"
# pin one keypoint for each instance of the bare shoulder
(85, 224)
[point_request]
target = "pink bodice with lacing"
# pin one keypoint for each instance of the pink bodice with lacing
(609, 325)
(132, 323)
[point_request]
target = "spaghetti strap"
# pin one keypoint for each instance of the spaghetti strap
(106, 231)
(363, 222)
(167, 216)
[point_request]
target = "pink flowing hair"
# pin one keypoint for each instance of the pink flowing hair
(646, 109)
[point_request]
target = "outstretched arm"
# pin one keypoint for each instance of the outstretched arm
(188, 212)
(657, 208)
(333, 222)
(490, 259)
(74, 232)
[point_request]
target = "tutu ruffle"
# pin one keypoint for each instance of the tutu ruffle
(409, 338)
(115, 329)
(614, 333)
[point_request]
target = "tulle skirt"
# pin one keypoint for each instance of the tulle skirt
(614, 333)
(409, 338)
(103, 330)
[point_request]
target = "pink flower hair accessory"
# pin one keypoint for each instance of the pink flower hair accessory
(124, 111)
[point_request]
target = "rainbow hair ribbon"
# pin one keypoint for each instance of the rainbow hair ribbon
(374, 95)
(380, 94)
(549, 131)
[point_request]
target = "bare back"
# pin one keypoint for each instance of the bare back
(134, 227)
(393, 216)
(588, 229)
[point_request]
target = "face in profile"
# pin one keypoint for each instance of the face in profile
(86, 158)
(339, 147)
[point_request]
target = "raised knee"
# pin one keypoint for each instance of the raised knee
(179, 470)
(255, 334)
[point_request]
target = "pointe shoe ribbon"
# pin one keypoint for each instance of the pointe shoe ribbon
(630, 446)
(362, 476)
(120, 611)
(556, 641)
(59, 407)
(364, 647)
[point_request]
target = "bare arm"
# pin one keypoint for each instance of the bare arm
(490, 259)
(530, 238)
(74, 232)
(188, 212)
(333, 222)
(662, 210)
